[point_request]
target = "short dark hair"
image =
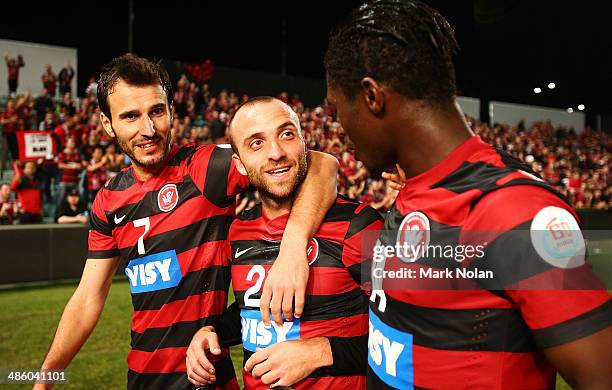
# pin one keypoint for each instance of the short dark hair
(250, 102)
(404, 44)
(134, 70)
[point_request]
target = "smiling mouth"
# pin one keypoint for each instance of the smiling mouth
(147, 144)
(278, 171)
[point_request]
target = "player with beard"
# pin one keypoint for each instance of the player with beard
(326, 347)
(391, 77)
(165, 220)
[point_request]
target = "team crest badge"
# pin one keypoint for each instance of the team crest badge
(313, 251)
(168, 197)
(413, 236)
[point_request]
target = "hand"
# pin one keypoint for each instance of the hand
(286, 280)
(200, 371)
(397, 180)
(289, 362)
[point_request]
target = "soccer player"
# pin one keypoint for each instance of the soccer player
(165, 221)
(326, 348)
(390, 74)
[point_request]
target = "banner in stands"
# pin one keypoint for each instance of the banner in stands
(34, 144)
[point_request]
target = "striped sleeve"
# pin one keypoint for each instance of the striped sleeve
(215, 172)
(557, 293)
(359, 241)
(100, 244)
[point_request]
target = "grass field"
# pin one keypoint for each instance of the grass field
(30, 315)
(28, 321)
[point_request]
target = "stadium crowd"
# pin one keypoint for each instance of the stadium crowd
(577, 164)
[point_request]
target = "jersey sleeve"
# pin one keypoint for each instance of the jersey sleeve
(228, 327)
(101, 243)
(534, 251)
(215, 173)
(359, 242)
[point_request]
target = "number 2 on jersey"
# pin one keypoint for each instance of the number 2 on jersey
(260, 271)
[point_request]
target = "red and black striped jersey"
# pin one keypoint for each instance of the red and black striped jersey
(336, 304)
(170, 233)
(472, 331)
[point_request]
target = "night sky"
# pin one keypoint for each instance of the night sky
(507, 47)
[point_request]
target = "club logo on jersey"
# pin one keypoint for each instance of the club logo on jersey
(255, 335)
(390, 354)
(557, 238)
(154, 272)
(413, 235)
(313, 251)
(168, 197)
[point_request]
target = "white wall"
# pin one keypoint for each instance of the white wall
(35, 56)
(511, 114)
(470, 106)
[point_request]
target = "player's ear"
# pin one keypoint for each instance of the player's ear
(106, 123)
(373, 95)
(239, 164)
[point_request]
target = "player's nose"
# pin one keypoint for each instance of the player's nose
(276, 151)
(147, 127)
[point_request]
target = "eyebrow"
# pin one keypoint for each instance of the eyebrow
(127, 113)
(260, 134)
(158, 105)
(137, 112)
(252, 136)
(288, 123)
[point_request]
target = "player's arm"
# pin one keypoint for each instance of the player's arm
(209, 339)
(288, 276)
(585, 363)
(287, 363)
(81, 313)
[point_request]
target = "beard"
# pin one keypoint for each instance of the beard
(285, 191)
(148, 163)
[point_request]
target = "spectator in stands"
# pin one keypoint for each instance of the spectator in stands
(48, 123)
(42, 104)
(92, 86)
(114, 160)
(67, 105)
(29, 193)
(217, 127)
(96, 172)
(87, 148)
(66, 130)
(12, 68)
(72, 210)
(70, 165)
(65, 77)
(50, 175)
(49, 80)
(25, 106)
(8, 207)
(9, 119)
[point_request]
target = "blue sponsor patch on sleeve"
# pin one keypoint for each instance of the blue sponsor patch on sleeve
(154, 272)
(390, 354)
(255, 335)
